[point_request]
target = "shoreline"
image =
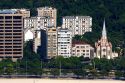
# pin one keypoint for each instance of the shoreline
(46, 80)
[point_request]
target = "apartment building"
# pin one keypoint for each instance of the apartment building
(37, 40)
(48, 12)
(51, 42)
(23, 11)
(64, 42)
(78, 24)
(11, 34)
(45, 22)
(30, 23)
(81, 48)
(36, 23)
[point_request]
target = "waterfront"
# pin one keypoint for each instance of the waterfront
(57, 81)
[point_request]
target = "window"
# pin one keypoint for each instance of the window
(104, 50)
(77, 47)
(87, 50)
(78, 50)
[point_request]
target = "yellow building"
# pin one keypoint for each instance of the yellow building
(51, 42)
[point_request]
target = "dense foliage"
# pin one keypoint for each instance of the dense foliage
(112, 10)
(81, 67)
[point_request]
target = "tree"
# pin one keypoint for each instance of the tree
(54, 72)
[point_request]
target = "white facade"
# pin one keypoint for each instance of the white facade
(37, 40)
(45, 22)
(37, 23)
(78, 24)
(30, 22)
(48, 12)
(80, 48)
(64, 42)
(28, 35)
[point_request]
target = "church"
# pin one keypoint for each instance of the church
(104, 47)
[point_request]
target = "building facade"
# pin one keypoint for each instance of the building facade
(51, 42)
(48, 12)
(11, 34)
(78, 24)
(104, 47)
(37, 23)
(81, 48)
(37, 40)
(23, 11)
(64, 42)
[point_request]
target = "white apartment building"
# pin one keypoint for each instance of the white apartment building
(64, 42)
(30, 22)
(36, 23)
(78, 24)
(48, 12)
(45, 22)
(81, 48)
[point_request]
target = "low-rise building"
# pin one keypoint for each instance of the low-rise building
(81, 48)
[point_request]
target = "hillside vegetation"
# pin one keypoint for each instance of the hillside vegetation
(112, 10)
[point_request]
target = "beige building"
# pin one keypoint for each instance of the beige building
(48, 12)
(104, 47)
(78, 24)
(51, 42)
(37, 40)
(24, 12)
(11, 34)
(81, 48)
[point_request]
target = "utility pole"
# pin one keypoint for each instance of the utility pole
(41, 67)
(60, 69)
(94, 64)
(26, 68)
(16, 69)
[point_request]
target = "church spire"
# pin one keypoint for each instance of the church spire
(104, 35)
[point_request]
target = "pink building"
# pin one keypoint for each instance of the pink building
(104, 47)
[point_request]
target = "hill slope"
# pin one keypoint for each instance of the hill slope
(112, 10)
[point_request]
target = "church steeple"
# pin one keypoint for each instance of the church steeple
(104, 34)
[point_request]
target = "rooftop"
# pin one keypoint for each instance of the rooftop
(46, 7)
(12, 11)
(63, 29)
(80, 42)
(74, 17)
(8, 11)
